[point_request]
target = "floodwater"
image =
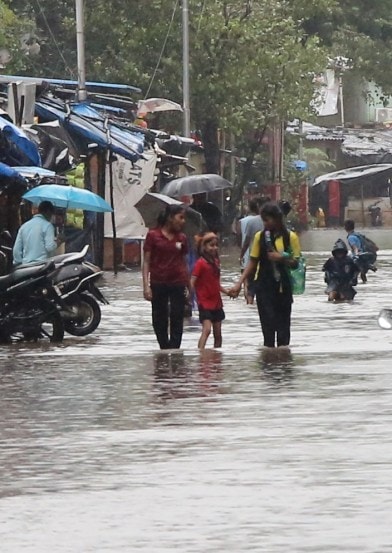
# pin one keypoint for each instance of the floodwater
(108, 445)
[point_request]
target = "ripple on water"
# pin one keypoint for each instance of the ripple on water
(108, 445)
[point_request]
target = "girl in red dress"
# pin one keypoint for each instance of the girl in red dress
(205, 281)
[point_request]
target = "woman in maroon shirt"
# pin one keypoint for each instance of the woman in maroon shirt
(166, 277)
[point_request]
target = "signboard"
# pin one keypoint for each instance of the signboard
(130, 182)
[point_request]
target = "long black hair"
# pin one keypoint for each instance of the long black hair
(272, 210)
(169, 212)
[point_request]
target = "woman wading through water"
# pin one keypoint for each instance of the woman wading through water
(275, 250)
(166, 277)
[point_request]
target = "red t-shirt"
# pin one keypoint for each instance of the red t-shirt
(207, 284)
(167, 261)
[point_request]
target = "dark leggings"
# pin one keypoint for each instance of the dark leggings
(275, 318)
(168, 302)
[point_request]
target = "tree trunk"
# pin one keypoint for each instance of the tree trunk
(248, 164)
(211, 146)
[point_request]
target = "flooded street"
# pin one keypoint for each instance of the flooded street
(108, 445)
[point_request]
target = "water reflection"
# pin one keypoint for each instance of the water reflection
(177, 375)
(277, 365)
(239, 449)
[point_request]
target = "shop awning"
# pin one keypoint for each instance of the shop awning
(353, 173)
(88, 124)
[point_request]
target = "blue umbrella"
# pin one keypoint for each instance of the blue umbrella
(67, 197)
(23, 149)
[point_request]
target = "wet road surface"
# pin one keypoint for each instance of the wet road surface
(108, 445)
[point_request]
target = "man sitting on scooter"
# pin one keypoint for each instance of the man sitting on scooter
(36, 239)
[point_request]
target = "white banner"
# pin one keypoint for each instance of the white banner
(327, 100)
(130, 182)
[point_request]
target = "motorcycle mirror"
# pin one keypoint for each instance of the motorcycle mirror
(385, 319)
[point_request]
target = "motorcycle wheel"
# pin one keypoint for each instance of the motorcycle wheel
(52, 328)
(88, 316)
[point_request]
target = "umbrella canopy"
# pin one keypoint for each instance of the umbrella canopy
(355, 173)
(195, 184)
(152, 105)
(67, 197)
(152, 204)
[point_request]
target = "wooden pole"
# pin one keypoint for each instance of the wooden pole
(114, 231)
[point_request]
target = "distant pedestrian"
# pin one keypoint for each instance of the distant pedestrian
(363, 249)
(36, 240)
(166, 277)
(250, 225)
(340, 274)
(210, 213)
(205, 281)
(275, 250)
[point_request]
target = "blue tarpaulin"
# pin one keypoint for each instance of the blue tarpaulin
(67, 82)
(11, 181)
(88, 124)
(8, 172)
(20, 149)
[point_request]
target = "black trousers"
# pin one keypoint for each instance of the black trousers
(275, 318)
(168, 303)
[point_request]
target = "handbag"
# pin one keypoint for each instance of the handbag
(298, 277)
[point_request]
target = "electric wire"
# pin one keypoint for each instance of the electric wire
(162, 50)
(67, 67)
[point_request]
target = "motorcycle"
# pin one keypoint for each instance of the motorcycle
(27, 305)
(78, 296)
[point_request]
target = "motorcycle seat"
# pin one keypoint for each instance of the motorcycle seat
(24, 272)
(71, 257)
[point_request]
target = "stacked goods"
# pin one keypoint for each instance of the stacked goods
(75, 217)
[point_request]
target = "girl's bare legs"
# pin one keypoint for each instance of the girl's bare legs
(205, 332)
(217, 329)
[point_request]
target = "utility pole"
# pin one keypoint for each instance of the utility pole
(342, 118)
(185, 68)
(82, 92)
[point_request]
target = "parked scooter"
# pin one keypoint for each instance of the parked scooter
(74, 279)
(375, 215)
(28, 305)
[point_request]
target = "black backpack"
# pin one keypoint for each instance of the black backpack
(367, 244)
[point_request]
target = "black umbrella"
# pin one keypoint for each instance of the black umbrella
(195, 184)
(152, 204)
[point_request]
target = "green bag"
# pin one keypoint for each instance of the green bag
(298, 277)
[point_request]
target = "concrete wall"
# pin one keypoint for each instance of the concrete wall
(361, 99)
(322, 240)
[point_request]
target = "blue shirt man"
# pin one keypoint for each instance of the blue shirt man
(35, 240)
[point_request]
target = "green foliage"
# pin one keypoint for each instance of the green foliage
(318, 162)
(11, 31)
(252, 61)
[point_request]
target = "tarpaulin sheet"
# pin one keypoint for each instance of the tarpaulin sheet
(355, 173)
(130, 183)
